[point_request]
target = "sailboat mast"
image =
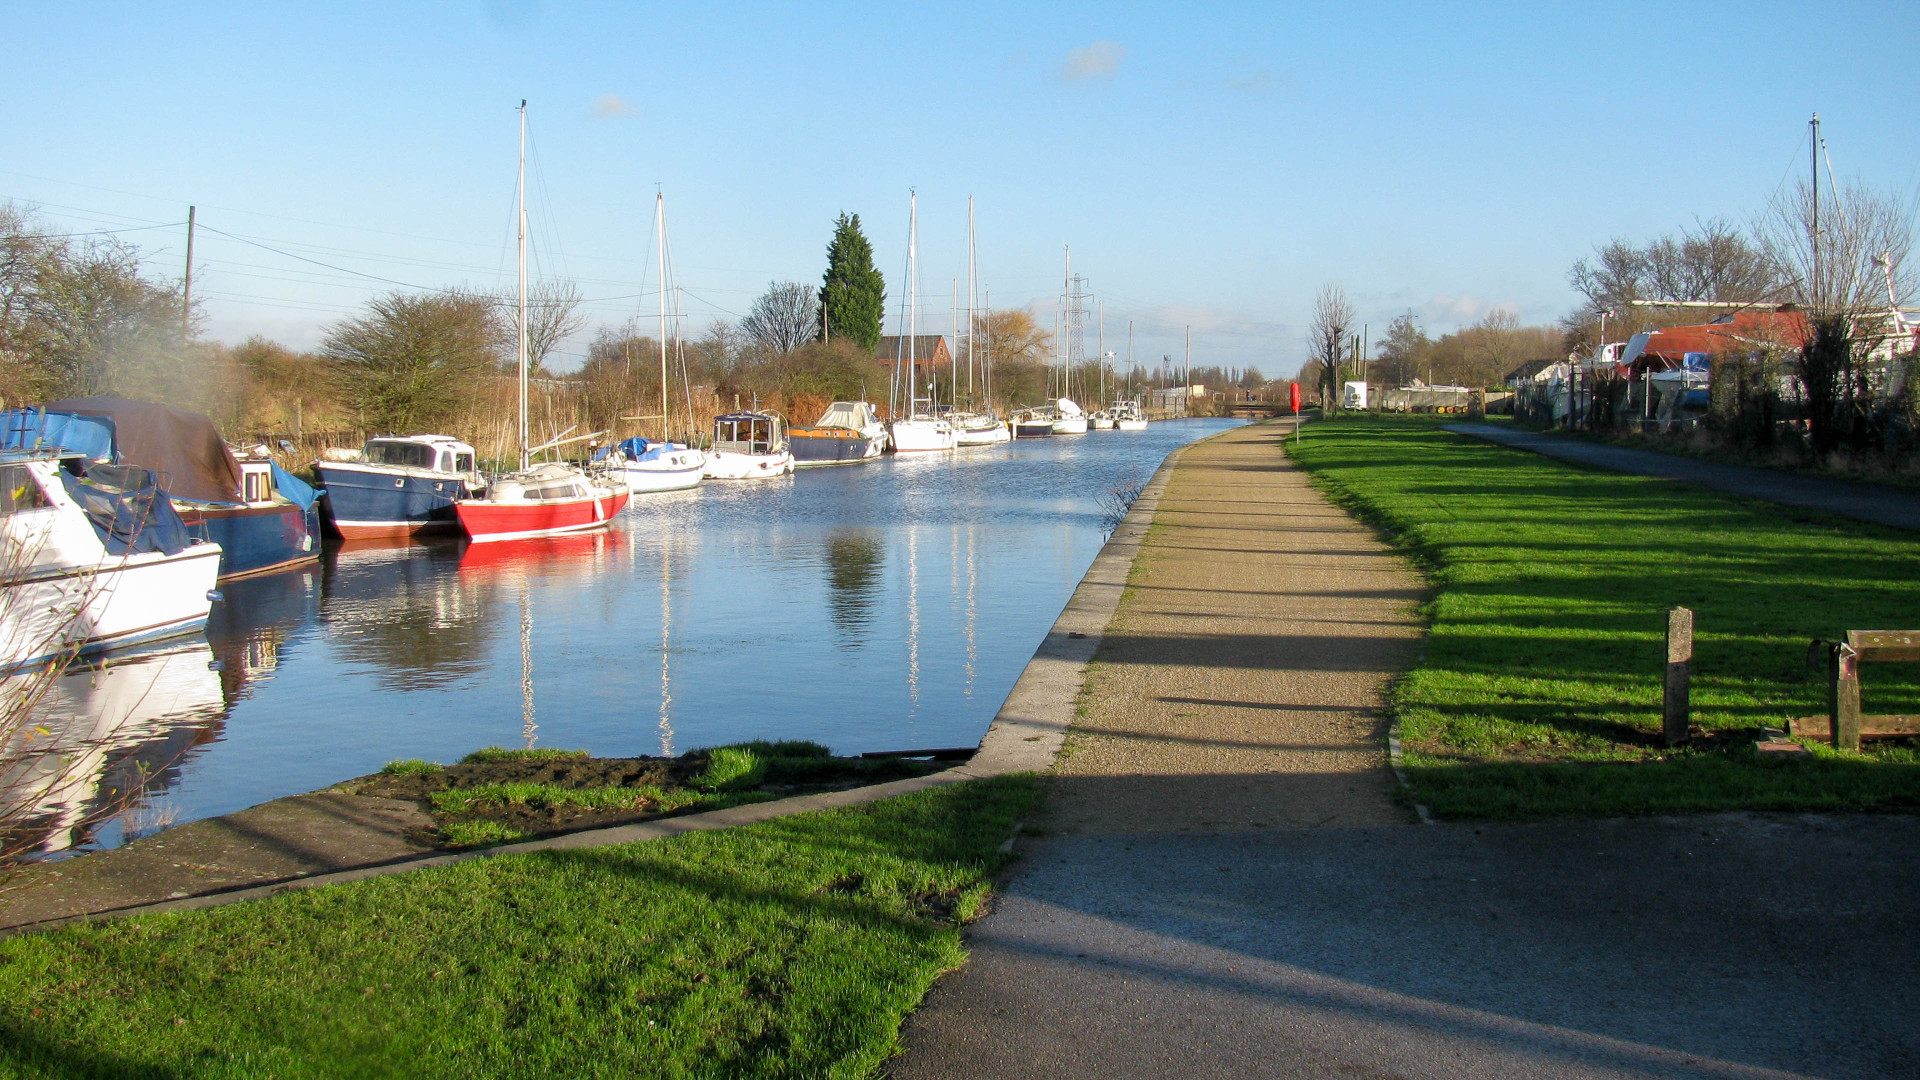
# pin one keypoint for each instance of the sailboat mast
(1103, 351)
(953, 361)
(660, 227)
(913, 299)
(1129, 358)
(973, 299)
(526, 458)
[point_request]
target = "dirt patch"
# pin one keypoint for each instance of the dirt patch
(497, 796)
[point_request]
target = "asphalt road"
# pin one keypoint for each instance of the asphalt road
(1724, 946)
(1875, 503)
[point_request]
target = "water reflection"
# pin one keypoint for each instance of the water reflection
(394, 607)
(854, 561)
(102, 737)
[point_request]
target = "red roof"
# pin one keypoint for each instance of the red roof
(1742, 330)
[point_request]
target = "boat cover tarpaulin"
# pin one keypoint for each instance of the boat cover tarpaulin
(183, 448)
(295, 490)
(39, 429)
(1738, 332)
(131, 521)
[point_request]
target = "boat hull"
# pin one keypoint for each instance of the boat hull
(122, 601)
(485, 521)
(832, 446)
(726, 465)
(1070, 425)
(668, 467)
(1033, 429)
(256, 539)
(987, 436)
(1130, 425)
(363, 504)
(922, 436)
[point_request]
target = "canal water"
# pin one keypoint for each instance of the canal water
(885, 606)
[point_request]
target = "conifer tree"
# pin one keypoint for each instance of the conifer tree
(853, 295)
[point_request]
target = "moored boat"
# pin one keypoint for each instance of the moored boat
(1100, 420)
(541, 500)
(921, 433)
(550, 498)
(980, 429)
(849, 432)
(399, 485)
(262, 517)
(1032, 423)
(1126, 416)
(646, 466)
(748, 446)
(91, 563)
(1070, 420)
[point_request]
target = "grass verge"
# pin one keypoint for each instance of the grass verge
(791, 948)
(1539, 690)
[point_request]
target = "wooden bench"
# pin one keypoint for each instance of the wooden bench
(1844, 724)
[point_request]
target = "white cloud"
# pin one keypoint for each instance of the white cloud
(608, 106)
(1096, 61)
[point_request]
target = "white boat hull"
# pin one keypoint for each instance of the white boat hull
(673, 470)
(1130, 425)
(118, 601)
(726, 465)
(992, 436)
(1070, 425)
(919, 436)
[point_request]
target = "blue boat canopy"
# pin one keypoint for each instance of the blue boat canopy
(128, 511)
(38, 429)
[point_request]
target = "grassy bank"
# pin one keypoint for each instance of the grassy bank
(789, 948)
(1538, 692)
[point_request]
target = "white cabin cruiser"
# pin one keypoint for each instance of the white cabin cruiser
(748, 446)
(89, 564)
(1126, 416)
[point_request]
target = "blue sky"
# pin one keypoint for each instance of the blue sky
(1210, 166)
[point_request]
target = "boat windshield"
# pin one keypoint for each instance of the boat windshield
(406, 454)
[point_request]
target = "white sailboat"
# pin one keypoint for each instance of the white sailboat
(647, 465)
(921, 431)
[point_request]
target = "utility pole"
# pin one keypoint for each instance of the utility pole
(186, 294)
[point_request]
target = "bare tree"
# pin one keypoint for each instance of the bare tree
(1864, 239)
(552, 317)
(1846, 260)
(1712, 261)
(785, 317)
(1333, 317)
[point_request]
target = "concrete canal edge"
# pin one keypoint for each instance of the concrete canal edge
(1024, 737)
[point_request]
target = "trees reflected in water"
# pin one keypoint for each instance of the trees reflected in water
(854, 560)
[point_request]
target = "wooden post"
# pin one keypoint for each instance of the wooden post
(1843, 697)
(1676, 711)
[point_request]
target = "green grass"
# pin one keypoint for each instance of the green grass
(730, 768)
(473, 834)
(466, 800)
(792, 948)
(489, 754)
(411, 767)
(1538, 692)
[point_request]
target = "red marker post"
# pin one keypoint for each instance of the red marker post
(1293, 399)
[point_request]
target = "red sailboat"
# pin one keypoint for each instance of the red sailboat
(547, 499)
